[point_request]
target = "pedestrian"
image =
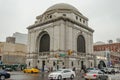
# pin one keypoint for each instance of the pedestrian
(84, 69)
(74, 69)
(48, 69)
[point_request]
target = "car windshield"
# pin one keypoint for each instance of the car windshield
(92, 68)
(58, 71)
(95, 71)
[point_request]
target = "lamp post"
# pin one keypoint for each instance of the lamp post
(108, 58)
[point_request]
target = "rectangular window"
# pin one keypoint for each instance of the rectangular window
(64, 14)
(0, 57)
(76, 17)
(80, 20)
(62, 63)
(83, 21)
(71, 63)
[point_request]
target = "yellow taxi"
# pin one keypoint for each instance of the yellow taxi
(31, 70)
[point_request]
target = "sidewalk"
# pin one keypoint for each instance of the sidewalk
(16, 72)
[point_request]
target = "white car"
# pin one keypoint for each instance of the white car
(95, 75)
(62, 74)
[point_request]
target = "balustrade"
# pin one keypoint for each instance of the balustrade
(51, 54)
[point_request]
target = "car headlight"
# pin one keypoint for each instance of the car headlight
(8, 72)
(55, 75)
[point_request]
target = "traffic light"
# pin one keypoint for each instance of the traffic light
(69, 52)
(56, 55)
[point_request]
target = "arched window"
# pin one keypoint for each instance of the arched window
(81, 44)
(44, 43)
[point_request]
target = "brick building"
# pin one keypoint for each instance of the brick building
(113, 49)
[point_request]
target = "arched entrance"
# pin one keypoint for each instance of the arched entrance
(81, 47)
(101, 64)
(43, 46)
(82, 64)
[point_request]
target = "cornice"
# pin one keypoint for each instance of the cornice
(57, 19)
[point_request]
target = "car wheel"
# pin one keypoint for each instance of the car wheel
(106, 78)
(72, 76)
(31, 71)
(2, 77)
(59, 77)
(99, 78)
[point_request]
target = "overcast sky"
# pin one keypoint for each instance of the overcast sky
(103, 15)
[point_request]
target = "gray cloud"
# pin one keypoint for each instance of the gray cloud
(16, 15)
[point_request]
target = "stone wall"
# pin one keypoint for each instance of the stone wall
(13, 53)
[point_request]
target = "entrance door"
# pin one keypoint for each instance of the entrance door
(82, 64)
(43, 65)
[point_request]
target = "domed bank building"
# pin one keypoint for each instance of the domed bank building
(60, 38)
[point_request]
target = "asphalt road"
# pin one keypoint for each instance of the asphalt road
(28, 76)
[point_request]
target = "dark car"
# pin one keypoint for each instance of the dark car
(4, 75)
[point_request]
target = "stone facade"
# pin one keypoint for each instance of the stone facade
(12, 53)
(65, 26)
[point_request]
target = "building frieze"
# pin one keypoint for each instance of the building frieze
(57, 19)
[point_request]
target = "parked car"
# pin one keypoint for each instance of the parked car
(4, 75)
(95, 75)
(31, 70)
(62, 74)
(116, 70)
(110, 70)
(105, 70)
